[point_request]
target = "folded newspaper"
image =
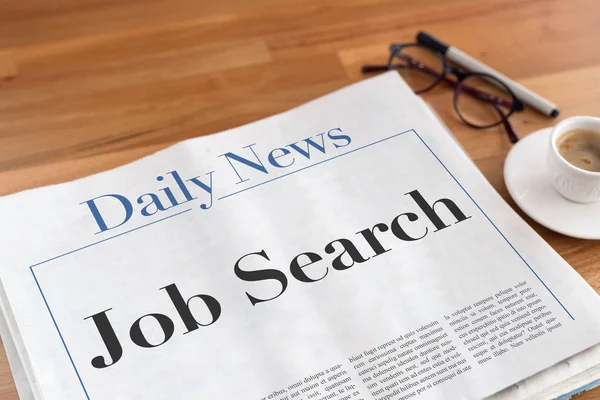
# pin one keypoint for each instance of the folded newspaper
(347, 249)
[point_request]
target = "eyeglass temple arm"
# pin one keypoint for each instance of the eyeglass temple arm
(366, 69)
(483, 96)
(512, 136)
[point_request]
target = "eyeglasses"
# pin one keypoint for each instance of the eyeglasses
(480, 100)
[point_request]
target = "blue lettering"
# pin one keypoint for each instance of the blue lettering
(309, 144)
(338, 137)
(154, 200)
(205, 187)
(181, 190)
(256, 165)
(98, 217)
(273, 158)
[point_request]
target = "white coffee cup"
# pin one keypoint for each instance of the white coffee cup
(571, 182)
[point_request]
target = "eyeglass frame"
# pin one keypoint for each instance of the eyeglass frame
(516, 104)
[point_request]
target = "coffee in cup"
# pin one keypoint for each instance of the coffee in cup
(581, 148)
(574, 159)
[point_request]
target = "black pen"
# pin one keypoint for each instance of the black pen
(466, 61)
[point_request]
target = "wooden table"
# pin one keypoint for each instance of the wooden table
(104, 82)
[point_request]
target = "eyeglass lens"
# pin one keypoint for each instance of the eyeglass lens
(419, 67)
(478, 102)
(482, 101)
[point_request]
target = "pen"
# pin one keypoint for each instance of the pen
(466, 61)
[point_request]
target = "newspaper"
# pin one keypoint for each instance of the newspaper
(347, 249)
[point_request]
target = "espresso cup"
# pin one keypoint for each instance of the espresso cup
(571, 182)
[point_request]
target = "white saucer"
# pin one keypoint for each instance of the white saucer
(526, 177)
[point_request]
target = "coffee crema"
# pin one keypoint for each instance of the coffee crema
(581, 148)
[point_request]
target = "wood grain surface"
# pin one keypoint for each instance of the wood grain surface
(99, 83)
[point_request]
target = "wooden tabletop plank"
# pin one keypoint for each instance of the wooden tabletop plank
(100, 83)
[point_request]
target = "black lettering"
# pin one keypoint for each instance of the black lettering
(429, 210)
(400, 233)
(349, 249)
(298, 273)
(260, 275)
(183, 307)
(109, 337)
(369, 235)
(137, 336)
